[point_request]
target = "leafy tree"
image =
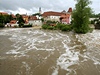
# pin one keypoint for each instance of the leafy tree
(1, 25)
(17, 15)
(7, 18)
(1, 19)
(42, 19)
(21, 21)
(10, 17)
(95, 15)
(81, 16)
(36, 14)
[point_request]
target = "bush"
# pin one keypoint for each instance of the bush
(67, 28)
(50, 22)
(98, 22)
(50, 27)
(21, 24)
(29, 25)
(92, 21)
(1, 25)
(59, 26)
(81, 29)
(15, 26)
(45, 26)
(91, 30)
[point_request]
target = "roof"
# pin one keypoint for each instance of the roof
(33, 18)
(63, 11)
(13, 21)
(3, 13)
(52, 13)
(24, 16)
(13, 15)
(70, 10)
(67, 15)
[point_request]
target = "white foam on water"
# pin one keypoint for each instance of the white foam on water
(92, 42)
(14, 51)
(27, 68)
(69, 58)
(30, 42)
(55, 71)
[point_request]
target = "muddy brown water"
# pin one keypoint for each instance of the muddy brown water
(43, 52)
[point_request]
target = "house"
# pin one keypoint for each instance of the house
(25, 18)
(13, 16)
(35, 21)
(69, 10)
(52, 16)
(13, 23)
(65, 18)
(3, 13)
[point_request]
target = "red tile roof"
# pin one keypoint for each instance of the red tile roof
(13, 15)
(67, 15)
(3, 13)
(13, 21)
(33, 18)
(51, 13)
(24, 16)
(70, 10)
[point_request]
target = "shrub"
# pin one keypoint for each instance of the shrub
(55, 27)
(29, 25)
(81, 29)
(91, 30)
(67, 28)
(1, 25)
(21, 24)
(15, 26)
(45, 26)
(50, 22)
(60, 25)
(50, 27)
(92, 21)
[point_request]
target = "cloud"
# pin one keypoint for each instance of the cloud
(32, 6)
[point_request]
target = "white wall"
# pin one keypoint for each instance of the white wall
(52, 18)
(11, 25)
(35, 22)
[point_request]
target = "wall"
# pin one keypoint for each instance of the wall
(35, 22)
(52, 18)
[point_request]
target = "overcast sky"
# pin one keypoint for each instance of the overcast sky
(32, 6)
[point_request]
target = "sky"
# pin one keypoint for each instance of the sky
(32, 6)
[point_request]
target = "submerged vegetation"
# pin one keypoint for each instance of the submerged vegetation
(58, 26)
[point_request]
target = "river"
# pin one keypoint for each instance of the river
(45, 52)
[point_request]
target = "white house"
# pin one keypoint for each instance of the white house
(52, 16)
(35, 21)
(13, 23)
(55, 16)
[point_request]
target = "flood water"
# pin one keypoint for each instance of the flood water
(44, 52)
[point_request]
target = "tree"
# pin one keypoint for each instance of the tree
(81, 16)
(36, 14)
(17, 15)
(42, 19)
(95, 15)
(10, 17)
(21, 21)
(1, 19)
